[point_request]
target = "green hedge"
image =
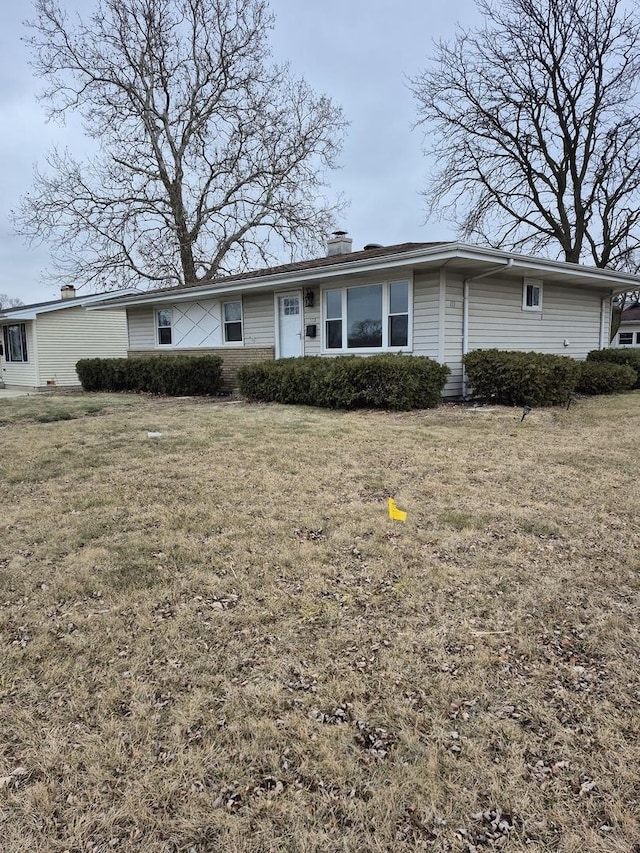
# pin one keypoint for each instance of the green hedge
(347, 382)
(601, 377)
(630, 357)
(521, 378)
(174, 376)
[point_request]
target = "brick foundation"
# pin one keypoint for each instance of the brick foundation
(233, 358)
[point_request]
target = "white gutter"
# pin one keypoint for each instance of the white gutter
(465, 314)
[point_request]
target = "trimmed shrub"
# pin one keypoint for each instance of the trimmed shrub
(347, 382)
(521, 378)
(173, 376)
(630, 357)
(601, 377)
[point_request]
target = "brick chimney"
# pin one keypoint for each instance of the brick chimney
(339, 244)
(67, 291)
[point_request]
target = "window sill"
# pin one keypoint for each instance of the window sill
(226, 345)
(367, 351)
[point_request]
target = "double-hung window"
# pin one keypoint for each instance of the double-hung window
(164, 322)
(367, 317)
(232, 318)
(15, 342)
(398, 313)
(625, 339)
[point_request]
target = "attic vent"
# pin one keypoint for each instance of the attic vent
(373, 246)
(339, 244)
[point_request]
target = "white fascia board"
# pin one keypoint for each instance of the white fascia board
(30, 312)
(590, 276)
(20, 317)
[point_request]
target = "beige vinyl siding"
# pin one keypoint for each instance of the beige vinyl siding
(453, 334)
(142, 330)
(313, 317)
(258, 316)
(68, 335)
(426, 304)
(496, 318)
(22, 374)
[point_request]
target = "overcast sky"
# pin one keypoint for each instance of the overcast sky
(359, 52)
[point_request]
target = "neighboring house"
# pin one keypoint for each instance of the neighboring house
(436, 299)
(40, 344)
(628, 334)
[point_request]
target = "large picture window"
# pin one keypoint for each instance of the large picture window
(15, 342)
(367, 317)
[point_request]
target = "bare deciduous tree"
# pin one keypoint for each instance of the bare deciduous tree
(206, 155)
(535, 122)
(9, 302)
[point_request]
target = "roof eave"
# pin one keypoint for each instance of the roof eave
(30, 312)
(447, 253)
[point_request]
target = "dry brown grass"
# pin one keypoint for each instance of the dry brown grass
(217, 641)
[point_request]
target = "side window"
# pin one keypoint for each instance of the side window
(333, 321)
(15, 342)
(163, 324)
(625, 338)
(232, 313)
(531, 295)
(398, 335)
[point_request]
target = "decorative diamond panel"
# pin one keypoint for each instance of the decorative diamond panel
(197, 324)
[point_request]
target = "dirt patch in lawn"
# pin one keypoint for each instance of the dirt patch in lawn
(216, 639)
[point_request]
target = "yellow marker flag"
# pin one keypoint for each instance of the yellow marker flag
(395, 513)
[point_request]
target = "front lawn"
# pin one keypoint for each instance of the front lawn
(215, 639)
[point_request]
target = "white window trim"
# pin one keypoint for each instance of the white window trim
(344, 350)
(232, 344)
(531, 282)
(629, 344)
(157, 326)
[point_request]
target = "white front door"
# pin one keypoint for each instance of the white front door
(289, 325)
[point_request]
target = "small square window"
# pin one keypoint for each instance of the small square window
(531, 295)
(625, 339)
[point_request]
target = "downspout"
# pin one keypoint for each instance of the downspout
(465, 314)
(604, 302)
(442, 312)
